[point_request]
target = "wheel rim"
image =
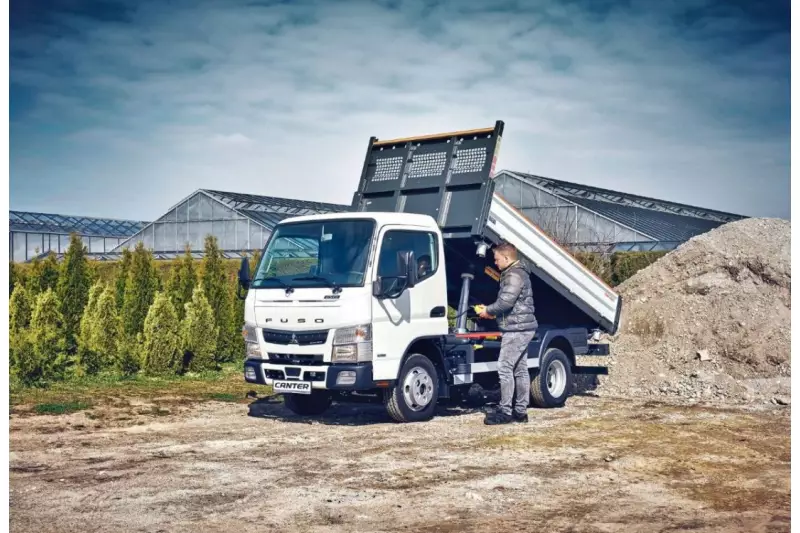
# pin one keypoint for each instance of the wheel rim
(556, 378)
(418, 389)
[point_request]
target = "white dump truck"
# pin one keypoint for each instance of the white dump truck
(354, 305)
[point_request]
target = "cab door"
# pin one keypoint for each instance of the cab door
(420, 311)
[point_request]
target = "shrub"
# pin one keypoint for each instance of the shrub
(15, 276)
(199, 332)
(599, 264)
(73, 289)
(237, 317)
(88, 360)
(182, 282)
(42, 355)
(128, 353)
(161, 338)
(626, 264)
(107, 332)
(43, 274)
(219, 297)
(20, 308)
(122, 276)
(140, 289)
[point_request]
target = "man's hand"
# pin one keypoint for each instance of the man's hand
(481, 310)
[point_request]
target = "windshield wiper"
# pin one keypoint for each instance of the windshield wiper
(329, 283)
(282, 283)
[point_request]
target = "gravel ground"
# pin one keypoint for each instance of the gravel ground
(598, 464)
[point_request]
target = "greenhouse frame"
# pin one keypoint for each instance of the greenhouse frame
(587, 218)
(241, 223)
(579, 217)
(36, 234)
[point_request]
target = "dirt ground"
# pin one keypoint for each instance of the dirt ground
(596, 465)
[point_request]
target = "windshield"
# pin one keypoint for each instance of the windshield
(331, 253)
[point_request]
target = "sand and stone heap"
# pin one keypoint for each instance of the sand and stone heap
(710, 320)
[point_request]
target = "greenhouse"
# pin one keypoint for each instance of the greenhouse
(240, 222)
(577, 216)
(35, 234)
(593, 219)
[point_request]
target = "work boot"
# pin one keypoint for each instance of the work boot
(521, 418)
(497, 417)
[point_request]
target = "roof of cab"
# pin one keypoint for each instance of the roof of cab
(382, 218)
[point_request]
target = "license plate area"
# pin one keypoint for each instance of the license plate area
(291, 387)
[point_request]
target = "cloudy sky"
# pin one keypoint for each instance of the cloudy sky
(121, 109)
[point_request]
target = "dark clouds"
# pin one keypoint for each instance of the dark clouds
(123, 109)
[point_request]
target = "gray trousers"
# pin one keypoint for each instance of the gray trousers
(512, 368)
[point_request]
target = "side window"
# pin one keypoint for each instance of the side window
(422, 243)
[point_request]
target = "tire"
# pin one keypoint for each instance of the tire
(550, 385)
(414, 397)
(314, 404)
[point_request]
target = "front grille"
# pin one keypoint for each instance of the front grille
(295, 358)
(304, 338)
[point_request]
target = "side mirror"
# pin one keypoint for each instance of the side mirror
(244, 273)
(390, 287)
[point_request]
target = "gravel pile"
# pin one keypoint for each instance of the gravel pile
(710, 320)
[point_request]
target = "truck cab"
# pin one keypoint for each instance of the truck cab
(354, 306)
(336, 301)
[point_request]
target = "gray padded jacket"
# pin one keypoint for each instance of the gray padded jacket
(514, 306)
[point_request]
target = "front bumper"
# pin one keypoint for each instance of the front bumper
(322, 377)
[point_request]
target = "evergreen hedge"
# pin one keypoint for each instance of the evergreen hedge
(83, 316)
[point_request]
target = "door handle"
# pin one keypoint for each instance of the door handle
(438, 312)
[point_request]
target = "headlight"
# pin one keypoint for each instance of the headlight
(353, 335)
(352, 345)
(250, 334)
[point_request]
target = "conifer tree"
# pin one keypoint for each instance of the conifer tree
(140, 290)
(107, 332)
(122, 277)
(128, 353)
(44, 274)
(182, 282)
(45, 356)
(87, 320)
(20, 308)
(14, 277)
(88, 360)
(199, 333)
(237, 315)
(73, 290)
(161, 338)
(215, 287)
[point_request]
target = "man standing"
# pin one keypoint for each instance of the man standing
(514, 311)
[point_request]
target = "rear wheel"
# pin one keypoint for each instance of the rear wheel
(315, 403)
(413, 398)
(550, 386)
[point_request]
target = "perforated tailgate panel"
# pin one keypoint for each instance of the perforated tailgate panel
(447, 176)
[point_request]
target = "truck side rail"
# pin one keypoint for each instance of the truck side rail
(553, 264)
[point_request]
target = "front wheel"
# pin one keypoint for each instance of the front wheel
(315, 403)
(550, 386)
(413, 398)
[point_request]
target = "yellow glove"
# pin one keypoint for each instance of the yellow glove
(480, 309)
